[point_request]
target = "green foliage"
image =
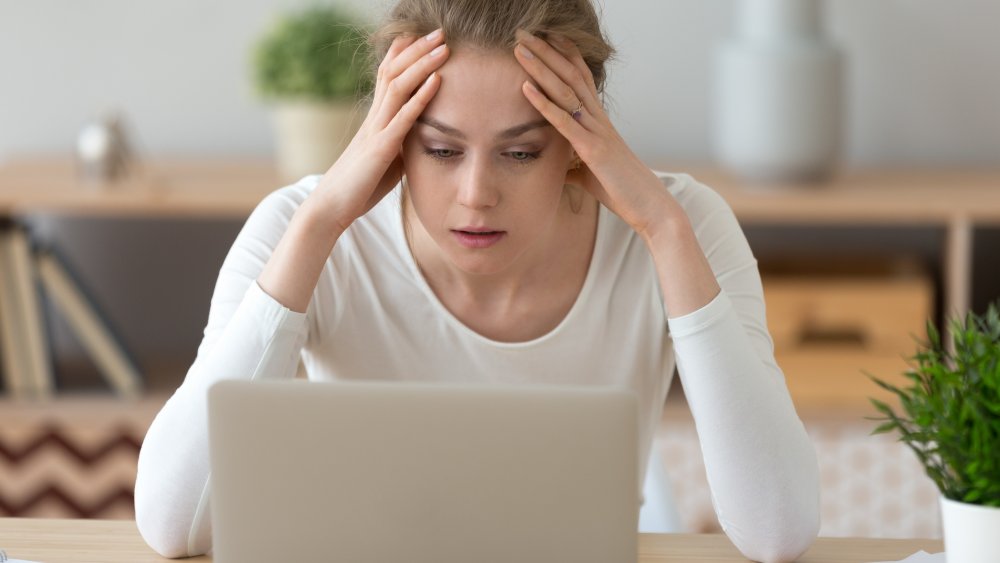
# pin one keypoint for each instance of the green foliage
(951, 413)
(319, 54)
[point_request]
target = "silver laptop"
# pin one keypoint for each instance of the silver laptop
(422, 472)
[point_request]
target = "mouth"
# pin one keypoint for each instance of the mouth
(471, 237)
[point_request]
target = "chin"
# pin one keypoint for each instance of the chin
(482, 265)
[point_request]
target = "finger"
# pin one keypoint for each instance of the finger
(572, 53)
(403, 120)
(553, 86)
(574, 131)
(401, 88)
(552, 70)
(410, 51)
(399, 44)
(418, 48)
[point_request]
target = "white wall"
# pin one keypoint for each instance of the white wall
(924, 75)
(923, 83)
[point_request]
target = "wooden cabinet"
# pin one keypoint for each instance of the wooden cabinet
(831, 326)
(829, 332)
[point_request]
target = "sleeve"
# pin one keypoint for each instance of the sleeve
(761, 466)
(249, 336)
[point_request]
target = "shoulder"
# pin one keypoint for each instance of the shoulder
(275, 211)
(698, 200)
(715, 225)
(707, 211)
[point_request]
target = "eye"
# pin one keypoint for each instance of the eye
(524, 157)
(440, 154)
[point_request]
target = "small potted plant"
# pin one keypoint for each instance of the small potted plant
(950, 418)
(314, 66)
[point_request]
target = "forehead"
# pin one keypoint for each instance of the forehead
(480, 93)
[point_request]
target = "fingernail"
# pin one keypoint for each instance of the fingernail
(434, 35)
(430, 78)
(525, 52)
(438, 50)
(532, 87)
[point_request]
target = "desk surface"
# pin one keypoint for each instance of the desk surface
(168, 187)
(117, 541)
(232, 187)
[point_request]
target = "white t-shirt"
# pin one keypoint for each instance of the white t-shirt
(373, 316)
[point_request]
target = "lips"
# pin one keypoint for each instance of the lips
(477, 237)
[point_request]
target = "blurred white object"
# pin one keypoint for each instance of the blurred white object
(102, 149)
(658, 514)
(778, 94)
(921, 557)
(312, 135)
(970, 531)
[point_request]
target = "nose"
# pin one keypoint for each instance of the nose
(478, 188)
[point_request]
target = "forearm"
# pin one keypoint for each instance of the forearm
(686, 278)
(261, 340)
(760, 464)
(292, 272)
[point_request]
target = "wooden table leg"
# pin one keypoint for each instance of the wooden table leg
(958, 270)
(29, 373)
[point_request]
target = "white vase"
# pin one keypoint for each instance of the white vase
(778, 94)
(971, 532)
(312, 135)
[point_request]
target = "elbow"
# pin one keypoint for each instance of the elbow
(160, 526)
(163, 536)
(783, 538)
(785, 547)
(171, 527)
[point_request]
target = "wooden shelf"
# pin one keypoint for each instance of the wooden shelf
(954, 201)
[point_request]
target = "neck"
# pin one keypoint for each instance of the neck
(542, 262)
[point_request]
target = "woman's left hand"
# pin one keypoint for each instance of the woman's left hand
(610, 171)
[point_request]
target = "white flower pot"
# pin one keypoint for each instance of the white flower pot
(778, 94)
(312, 135)
(971, 532)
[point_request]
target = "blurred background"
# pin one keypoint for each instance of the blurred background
(917, 87)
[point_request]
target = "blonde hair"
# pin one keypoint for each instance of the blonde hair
(489, 25)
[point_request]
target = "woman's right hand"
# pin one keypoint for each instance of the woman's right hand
(371, 164)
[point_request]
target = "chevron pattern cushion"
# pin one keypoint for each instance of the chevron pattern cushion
(71, 457)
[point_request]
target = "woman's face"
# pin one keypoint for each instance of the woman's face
(485, 170)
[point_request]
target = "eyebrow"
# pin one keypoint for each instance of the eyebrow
(506, 134)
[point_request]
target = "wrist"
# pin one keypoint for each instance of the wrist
(315, 216)
(668, 222)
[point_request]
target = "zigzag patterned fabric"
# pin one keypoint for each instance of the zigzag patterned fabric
(71, 458)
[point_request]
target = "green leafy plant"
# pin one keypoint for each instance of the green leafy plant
(951, 413)
(319, 53)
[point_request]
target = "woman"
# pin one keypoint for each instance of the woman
(489, 224)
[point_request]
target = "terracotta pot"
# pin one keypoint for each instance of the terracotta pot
(312, 135)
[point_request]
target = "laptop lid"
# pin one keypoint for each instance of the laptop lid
(422, 472)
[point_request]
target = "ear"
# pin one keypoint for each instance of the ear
(574, 164)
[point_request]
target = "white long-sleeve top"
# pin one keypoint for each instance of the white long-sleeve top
(373, 316)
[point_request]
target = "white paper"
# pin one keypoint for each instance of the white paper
(921, 557)
(6, 559)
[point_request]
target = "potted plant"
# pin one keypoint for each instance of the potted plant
(313, 66)
(950, 417)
